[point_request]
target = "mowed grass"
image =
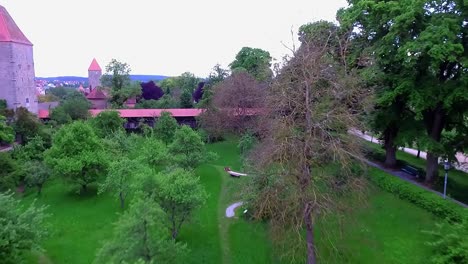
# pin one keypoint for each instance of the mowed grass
(385, 230)
(78, 224)
(243, 241)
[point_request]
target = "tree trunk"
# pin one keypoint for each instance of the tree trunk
(84, 188)
(432, 168)
(39, 189)
(419, 153)
(309, 236)
(389, 143)
(435, 122)
(122, 201)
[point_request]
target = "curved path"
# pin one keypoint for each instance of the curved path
(230, 210)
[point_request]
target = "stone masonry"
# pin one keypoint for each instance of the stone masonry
(17, 76)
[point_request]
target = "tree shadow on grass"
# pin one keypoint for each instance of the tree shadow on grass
(77, 193)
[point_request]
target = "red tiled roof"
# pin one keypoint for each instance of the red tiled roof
(9, 31)
(96, 94)
(139, 113)
(94, 66)
(43, 113)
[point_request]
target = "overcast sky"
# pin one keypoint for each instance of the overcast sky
(158, 37)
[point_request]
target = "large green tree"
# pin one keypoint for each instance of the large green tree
(165, 127)
(256, 62)
(422, 48)
(117, 77)
(178, 192)
(107, 123)
(188, 150)
(140, 237)
(77, 154)
(9, 175)
(22, 229)
(36, 174)
(26, 125)
(120, 177)
(75, 107)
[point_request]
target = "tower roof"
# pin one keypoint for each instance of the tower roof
(94, 66)
(96, 94)
(9, 31)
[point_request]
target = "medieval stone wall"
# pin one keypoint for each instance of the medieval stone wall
(17, 75)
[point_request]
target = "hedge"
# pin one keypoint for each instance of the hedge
(418, 196)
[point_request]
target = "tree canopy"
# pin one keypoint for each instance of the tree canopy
(77, 154)
(23, 228)
(420, 51)
(140, 237)
(256, 62)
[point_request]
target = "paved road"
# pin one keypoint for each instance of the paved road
(230, 210)
(6, 149)
(461, 157)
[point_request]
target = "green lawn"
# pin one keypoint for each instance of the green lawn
(386, 230)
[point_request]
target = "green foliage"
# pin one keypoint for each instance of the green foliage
(179, 193)
(77, 154)
(449, 243)
(26, 124)
(246, 143)
(36, 174)
(188, 150)
(117, 77)
(153, 152)
(420, 197)
(59, 116)
(33, 150)
(107, 123)
(8, 173)
(22, 228)
(166, 127)
(216, 76)
(419, 59)
(139, 237)
(120, 96)
(187, 81)
(186, 99)
(255, 61)
(7, 134)
(165, 102)
(72, 108)
(120, 177)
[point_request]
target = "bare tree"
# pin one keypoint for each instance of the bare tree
(236, 104)
(305, 161)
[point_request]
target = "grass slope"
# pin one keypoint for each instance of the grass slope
(387, 230)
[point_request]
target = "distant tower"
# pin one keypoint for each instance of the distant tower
(94, 75)
(17, 79)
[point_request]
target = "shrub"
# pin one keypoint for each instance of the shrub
(449, 243)
(418, 196)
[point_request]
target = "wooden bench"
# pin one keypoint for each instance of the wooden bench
(411, 170)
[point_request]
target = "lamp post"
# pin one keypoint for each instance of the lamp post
(446, 168)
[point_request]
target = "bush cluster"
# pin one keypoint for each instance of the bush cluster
(418, 196)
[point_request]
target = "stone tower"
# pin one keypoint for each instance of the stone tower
(17, 79)
(94, 75)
